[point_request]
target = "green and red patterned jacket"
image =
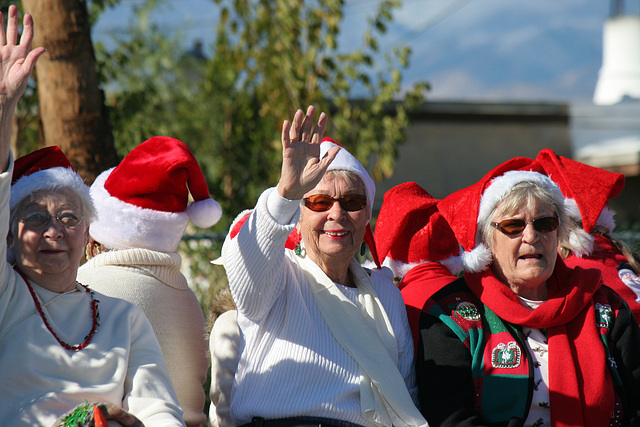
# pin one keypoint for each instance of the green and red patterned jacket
(474, 369)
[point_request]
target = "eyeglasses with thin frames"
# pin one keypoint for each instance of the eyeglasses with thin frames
(41, 220)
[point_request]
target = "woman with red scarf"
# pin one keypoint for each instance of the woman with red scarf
(521, 339)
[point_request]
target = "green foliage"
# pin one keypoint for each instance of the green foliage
(270, 57)
(78, 416)
(205, 279)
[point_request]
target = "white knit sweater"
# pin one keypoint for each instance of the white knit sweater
(40, 380)
(152, 281)
(291, 365)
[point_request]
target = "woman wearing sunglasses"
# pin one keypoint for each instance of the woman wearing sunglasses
(521, 339)
(325, 341)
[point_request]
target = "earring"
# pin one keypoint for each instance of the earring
(363, 249)
(299, 248)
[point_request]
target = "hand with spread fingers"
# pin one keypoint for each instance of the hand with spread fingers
(302, 167)
(16, 59)
(16, 64)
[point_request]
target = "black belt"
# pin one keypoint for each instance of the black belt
(299, 422)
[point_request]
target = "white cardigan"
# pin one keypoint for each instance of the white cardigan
(291, 365)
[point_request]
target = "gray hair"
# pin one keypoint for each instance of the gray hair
(526, 194)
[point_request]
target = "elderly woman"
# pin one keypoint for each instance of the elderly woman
(522, 339)
(325, 341)
(62, 346)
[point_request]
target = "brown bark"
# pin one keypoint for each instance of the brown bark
(72, 110)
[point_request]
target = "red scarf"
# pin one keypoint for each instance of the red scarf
(584, 395)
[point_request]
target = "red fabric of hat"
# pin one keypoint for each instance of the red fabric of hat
(410, 230)
(45, 158)
(461, 208)
(158, 174)
(589, 186)
(45, 169)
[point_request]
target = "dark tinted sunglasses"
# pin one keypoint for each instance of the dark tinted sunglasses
(512, 227)
(323, 202)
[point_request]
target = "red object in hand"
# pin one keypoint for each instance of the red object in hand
(98, 418)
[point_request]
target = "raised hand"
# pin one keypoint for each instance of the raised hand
(302, 167)
(16, 64)
(16, 59)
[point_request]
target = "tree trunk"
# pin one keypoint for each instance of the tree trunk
(72, 109)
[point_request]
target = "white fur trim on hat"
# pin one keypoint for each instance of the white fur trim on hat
(478, 259)
(605, 220)
(346, 161)
(580, 242)
(48, 179)
(572, 209)
(502, 185)
(400, 269)
(121, 225)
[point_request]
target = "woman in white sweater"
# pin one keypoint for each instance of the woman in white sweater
(324, 341)
(61, 344)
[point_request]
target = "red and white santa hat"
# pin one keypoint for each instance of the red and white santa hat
(467, 207)
(144, 201)
(47, 169)
(587, 188)
(411, 231)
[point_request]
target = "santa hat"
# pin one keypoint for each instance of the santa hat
(587, 189)
(411, 231)
(467, 207)
(144, 201)
(47, 169)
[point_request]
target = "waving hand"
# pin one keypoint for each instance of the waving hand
(16, 61)
(302, 167)
(16, 64)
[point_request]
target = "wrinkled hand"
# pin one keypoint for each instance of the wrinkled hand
(16, 61)
(302, 167)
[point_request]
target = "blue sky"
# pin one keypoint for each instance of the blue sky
(469, 50)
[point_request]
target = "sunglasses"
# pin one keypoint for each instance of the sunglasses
(513, 227)
(323, 202)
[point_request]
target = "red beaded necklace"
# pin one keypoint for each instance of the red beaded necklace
(95, 314)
